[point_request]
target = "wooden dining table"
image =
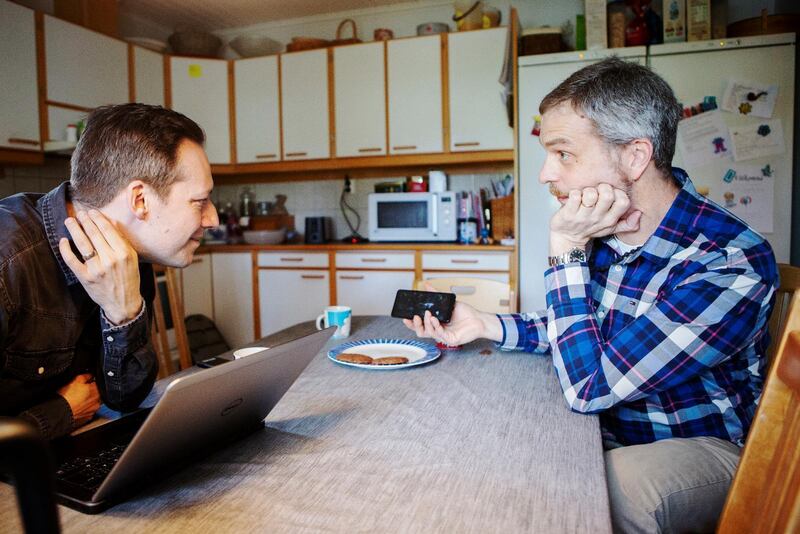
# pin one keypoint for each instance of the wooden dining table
(478, 440)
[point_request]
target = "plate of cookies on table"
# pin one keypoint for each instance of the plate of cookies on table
(384, 354)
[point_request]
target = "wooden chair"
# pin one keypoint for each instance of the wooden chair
(790, 283)
(160, 339)
(765, 494)
(480, 293)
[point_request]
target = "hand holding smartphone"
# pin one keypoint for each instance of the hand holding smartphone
(408, 303)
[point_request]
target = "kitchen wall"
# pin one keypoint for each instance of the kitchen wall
(304, 198)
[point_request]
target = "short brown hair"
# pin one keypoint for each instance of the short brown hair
(129, 142)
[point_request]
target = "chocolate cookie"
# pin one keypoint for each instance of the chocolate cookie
(354, 358)
(390, 360)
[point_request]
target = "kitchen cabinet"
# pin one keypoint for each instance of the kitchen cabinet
(232, 283)
(304, 105)
(368, 281)
(84, 68)
(478, 116)
(492, 265)
(360, 100)
(292, 287)
(148, 76)
(414, 86)
(200, 91)
(19, 105)
(258, 131)
(196, 287)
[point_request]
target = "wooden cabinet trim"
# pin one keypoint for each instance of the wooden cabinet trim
(41, 73)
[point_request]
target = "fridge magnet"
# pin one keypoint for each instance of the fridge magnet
(748, 98)
(703, 138)
(757, 139)
(195, 71)
(537, 125)
(748, 194)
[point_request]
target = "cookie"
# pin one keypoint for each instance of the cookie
(354, 358)
(390, 360)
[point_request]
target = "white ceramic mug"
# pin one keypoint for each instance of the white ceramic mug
(338, 316)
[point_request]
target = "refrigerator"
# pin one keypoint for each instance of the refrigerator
(740, 171)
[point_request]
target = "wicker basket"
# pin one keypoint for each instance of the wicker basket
(349, 40)
(502, 217)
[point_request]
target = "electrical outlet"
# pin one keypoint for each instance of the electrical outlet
(349, 185)
(352, 184)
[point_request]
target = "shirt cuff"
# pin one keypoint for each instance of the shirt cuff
(108, 326)
(53, 418)
(513, 331)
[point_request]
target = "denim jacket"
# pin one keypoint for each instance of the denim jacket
(52, 331)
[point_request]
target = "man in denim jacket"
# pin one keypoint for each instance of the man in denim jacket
(76, 287)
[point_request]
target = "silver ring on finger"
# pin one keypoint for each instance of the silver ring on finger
(89, 256)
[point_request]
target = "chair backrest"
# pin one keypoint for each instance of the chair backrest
(480, 293)
(789, 285)
(765, 494)
(160, 341)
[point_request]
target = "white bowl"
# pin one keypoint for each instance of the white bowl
(264, 237)
(253, 46)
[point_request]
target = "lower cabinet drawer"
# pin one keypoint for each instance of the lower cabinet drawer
(371, 292)
(466, 261)
(292, 259)
(500, 277)
(375, 260)
(286, 297)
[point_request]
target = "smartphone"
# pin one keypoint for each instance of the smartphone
(407, 304)
(211, 362)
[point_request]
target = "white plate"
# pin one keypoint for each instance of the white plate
(417, 352)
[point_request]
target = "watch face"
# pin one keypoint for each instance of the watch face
(577, 254)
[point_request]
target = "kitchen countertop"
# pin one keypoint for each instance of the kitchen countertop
(205, 249)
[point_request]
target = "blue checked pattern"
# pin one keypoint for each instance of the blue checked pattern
(667, 340)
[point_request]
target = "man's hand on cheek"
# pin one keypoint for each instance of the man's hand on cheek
(110, 268)
(589, 213)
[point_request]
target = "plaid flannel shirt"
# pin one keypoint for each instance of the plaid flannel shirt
(667, 340)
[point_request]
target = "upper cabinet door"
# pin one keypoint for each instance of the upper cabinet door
(19, 104)
(258, 131)
(148, 76)
(478, 117)
(84, 68)
(415, 95)
(360, 100)
(304, 105)
(200, 91)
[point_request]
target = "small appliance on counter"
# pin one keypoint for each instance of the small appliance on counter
(318, 230)
(437, 182)
(412, 216)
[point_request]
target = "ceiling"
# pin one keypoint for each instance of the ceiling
(212, 15)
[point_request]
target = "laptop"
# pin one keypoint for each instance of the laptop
(196, 414)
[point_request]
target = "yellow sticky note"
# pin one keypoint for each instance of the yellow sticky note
(195, 71)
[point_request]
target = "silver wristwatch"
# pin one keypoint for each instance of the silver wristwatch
(572, 255)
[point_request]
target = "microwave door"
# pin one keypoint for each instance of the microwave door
(403, 219)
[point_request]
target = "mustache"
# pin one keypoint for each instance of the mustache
(556, 192)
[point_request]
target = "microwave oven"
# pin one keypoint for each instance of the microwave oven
(412, 216)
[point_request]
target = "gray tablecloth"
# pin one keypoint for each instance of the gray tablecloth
(476, 441)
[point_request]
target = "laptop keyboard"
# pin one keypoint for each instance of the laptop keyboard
(89, 471)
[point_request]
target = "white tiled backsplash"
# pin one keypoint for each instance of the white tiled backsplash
(304, 198)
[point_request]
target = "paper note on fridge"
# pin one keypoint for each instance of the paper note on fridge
(703, 138)
(757, 140)
(748, 191)
(745, 98)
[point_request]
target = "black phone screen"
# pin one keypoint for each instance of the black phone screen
(407, 304)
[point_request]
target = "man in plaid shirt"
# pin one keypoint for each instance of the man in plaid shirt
(657, 301)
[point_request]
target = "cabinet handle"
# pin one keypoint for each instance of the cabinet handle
(295, 154)
(362, 150)
(463, 261)
(373, 260)
(20, 141)
(351, 277)
(266, 156)
(405, 147)
(471, 143)
(312, 276)
(291, 259)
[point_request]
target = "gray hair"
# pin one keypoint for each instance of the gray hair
(625, 101)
